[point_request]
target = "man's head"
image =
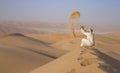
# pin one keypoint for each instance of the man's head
(91, 30)
(81, 27)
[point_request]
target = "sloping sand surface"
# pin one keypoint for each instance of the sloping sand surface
(60, 41)
(100, 59)
(19, 60)
(109, 45)
(48, 53)
(18, 40)
(50, 38)
(22, 54)
(71, 63)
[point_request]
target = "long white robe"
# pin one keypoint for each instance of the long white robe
(89, 41)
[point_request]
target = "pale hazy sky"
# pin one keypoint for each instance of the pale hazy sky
(92, 11)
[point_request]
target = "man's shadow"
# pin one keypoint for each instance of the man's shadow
(111, 65)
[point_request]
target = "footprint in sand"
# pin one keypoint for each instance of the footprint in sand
(89, 61)
(72, 71)
(79, 58)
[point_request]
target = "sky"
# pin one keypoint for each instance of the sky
(92, 11)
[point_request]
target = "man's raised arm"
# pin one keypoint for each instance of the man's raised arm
(82, 29)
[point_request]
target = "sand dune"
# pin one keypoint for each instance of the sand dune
(50, 38)
(19, 60)
(60, 41)
(48, 53)
(24, 27)
(89, 63)
(22, 54)
(21, 41)
(69, 63)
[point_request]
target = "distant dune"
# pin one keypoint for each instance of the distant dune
(8, 27)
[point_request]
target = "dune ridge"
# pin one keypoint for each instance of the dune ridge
(97, 61)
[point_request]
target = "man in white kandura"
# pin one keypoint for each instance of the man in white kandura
(89, 41)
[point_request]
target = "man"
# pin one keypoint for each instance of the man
(89, 41)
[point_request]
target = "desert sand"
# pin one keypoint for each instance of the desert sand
(58, 53)
(103, 58)
(21, 54)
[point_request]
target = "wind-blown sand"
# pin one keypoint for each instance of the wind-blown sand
(58, 53)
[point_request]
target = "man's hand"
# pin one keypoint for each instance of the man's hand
(81, 27)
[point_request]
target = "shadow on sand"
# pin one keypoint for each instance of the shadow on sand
(111, 65)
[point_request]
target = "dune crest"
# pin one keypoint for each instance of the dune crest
(82, 60)
(71, 63)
